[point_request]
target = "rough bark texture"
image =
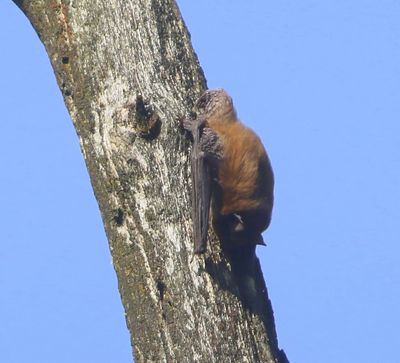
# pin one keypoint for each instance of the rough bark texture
(126, 69)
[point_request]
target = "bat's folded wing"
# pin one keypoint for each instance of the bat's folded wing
(202, 179)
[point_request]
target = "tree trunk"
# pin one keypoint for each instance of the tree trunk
(127, 70)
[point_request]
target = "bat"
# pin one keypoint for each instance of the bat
(231, 172)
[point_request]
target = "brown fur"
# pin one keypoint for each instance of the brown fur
(238, 173)
(245, 181)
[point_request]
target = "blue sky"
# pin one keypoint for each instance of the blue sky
(319, 81)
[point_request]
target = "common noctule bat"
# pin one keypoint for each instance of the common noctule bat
(231, 172)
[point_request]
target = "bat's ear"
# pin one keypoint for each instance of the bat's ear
(259, 240)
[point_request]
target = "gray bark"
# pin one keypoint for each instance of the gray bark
(127, 70)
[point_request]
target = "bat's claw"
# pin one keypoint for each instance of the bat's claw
(199, 250)
(189, 122)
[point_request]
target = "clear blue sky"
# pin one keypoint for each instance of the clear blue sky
(320, 83)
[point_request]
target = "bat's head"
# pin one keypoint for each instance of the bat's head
(217, 105)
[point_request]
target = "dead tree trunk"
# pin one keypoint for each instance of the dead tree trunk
(126, 69)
